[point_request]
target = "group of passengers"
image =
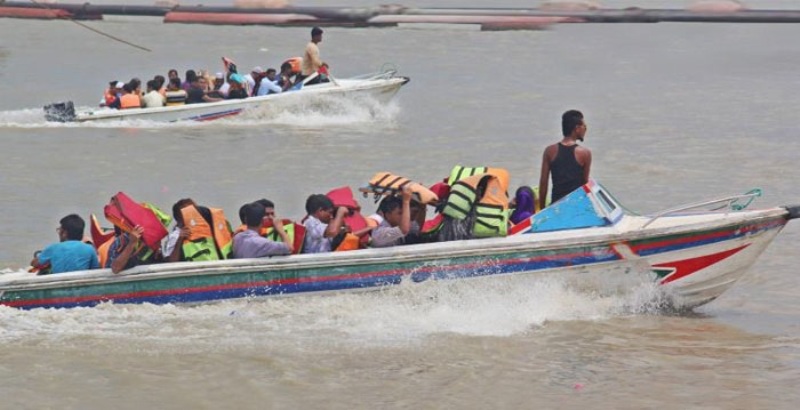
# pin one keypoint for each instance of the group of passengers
(473, 202)
(199, 86)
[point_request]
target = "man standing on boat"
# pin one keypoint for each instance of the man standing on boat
(568, 162)
(311, 58)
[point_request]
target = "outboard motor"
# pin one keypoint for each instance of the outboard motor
(60, 112)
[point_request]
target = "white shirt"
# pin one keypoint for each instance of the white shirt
(224, 89)
(172, 240)
(315, 241)
(153, 99)
(268, 87)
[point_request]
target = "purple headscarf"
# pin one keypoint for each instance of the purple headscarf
(525, 206)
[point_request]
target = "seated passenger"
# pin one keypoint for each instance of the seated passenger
(153, 98)
(161, 86)
(70, 254)
(250, 243)
(175, 94)
(285, 79)
(113, 91)
(128, 99)
(197, 92)
(219, 81)
(268, 84)
(237, 90)
(172, 250)
(397, 226)
(523, 203)
(321, 225)
(127, 250)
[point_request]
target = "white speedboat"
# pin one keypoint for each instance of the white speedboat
(378, 87)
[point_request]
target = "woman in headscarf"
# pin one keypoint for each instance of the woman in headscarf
(523, 204)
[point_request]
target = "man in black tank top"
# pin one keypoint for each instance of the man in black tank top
(568, 162)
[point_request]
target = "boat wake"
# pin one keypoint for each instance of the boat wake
(402, 315)
(320, 113)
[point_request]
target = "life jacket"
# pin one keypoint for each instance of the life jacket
(109, 96)
(129, 101)
(206, 241)
(459, 172)
(176, 97)
(296, 63)
(346, 242)
(385, 183)
(102, 252)
(343, 196)
(295, 232)
(125, 213)
(483, 196)
(99, 235)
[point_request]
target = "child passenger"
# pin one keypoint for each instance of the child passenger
(321, 224)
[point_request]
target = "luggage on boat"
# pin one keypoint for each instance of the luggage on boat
(477, 206)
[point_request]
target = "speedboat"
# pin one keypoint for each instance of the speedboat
(379, 87)
(692, 253)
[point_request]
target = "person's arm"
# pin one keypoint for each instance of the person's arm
(336, 224)
(206, 98)
(278, 226)
(405, 220)
(177, 251)
(544, 179)
(587, 164)
(271, 86)
(127, 251)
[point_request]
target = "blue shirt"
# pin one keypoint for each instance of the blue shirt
(249, 244)
(69, 256)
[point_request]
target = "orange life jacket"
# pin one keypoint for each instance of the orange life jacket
(296, 63)
(102, 252)
(206, 241)
(129, 101)
(109, 96)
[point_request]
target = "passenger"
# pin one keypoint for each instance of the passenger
(321, 225)
(70, 253)
(268, 84)
(250, 243)
(172, 251)
(136, 86)
(285, 80)
(127, 250)
(197, 93)
(397, 226)
(153, 98)
(112, 92)
(524, 205)
(568, 162)
(128, 99)
(191, 76)
(161, 87)
(237, 90)
(219, 81)
(311, 58)
(175, 94)
(173, 73)
(253, 79)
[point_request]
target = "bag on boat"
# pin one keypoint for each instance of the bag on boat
(125, 213)
(477, 206)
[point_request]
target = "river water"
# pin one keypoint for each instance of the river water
(676, 112)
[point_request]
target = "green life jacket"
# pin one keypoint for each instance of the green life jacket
(459, 172)
(490, 210)
(461, 200)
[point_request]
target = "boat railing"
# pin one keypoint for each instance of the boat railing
(386, 71)
(729, 203)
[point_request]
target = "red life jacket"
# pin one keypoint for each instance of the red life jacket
(125, 213)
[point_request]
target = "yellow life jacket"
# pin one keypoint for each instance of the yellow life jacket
(490, 209)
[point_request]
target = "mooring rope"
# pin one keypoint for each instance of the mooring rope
(44, 6)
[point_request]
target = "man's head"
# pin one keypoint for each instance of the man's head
(320, 207)
(572, 125)
(271, 73)
(316, 34)
(71, 228)
(269, 207)
(152, 85)
(286, 68)
(391, 208)
(173, 73)
(254, 215)
(160, 80)
(257, 72)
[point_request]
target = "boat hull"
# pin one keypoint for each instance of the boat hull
(695, 259)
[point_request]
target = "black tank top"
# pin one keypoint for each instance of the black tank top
(567, 172)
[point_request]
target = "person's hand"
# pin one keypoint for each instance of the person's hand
(342, 211)
(277, 223)
(137, 232)
(406, 195)
(185, 233)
